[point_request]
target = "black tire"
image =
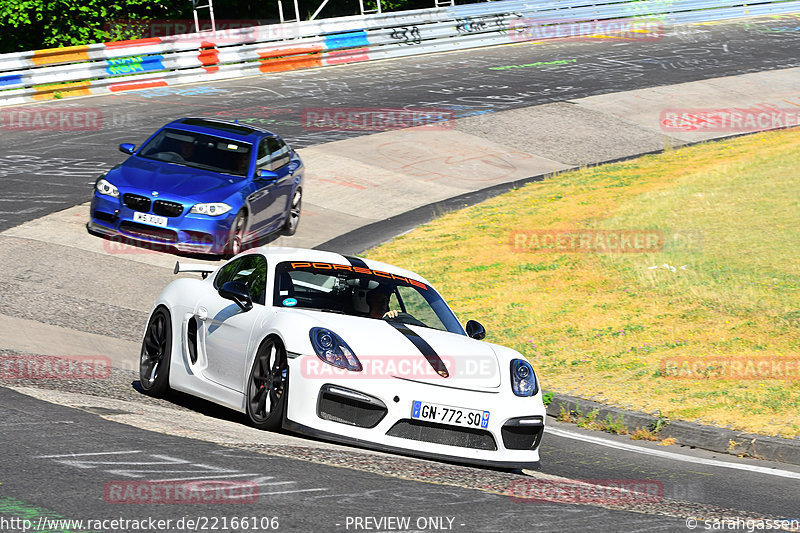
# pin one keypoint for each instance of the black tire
(293, 216)
(267, 386)
(156, 353)
(236, 236)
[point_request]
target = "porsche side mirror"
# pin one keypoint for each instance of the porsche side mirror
(127, 148)
(266, 175)
(237, 292)
(475, 329)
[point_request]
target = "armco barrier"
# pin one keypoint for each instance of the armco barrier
(159, 61)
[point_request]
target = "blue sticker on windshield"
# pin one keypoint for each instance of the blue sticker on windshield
(289, 302)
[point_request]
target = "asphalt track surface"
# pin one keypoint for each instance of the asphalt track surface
(43, 173)
(69, 474)
(304, 496)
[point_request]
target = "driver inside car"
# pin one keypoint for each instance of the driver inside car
(187, 150)
(378, 301)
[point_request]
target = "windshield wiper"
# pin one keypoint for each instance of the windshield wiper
(212, 168)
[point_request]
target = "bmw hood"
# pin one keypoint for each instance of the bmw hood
(389, 349)
(173, 180)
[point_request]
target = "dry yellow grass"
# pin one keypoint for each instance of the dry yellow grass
(599, 325)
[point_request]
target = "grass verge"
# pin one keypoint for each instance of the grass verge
(724, 282)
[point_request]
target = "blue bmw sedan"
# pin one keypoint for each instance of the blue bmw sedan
(201, 185)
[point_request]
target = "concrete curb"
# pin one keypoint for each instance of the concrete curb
(361, 239)
(686, 433)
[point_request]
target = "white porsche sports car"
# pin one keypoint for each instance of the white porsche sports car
(344, 349)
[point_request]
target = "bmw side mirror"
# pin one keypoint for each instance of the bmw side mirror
(475, 330)
(266, 175)
(237, 292)
(127, 148)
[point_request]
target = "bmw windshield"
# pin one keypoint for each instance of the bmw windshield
(198, 150)
(362, 292)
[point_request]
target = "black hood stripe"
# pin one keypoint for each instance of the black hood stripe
(355, 261)
(424, 348)
(422, 345)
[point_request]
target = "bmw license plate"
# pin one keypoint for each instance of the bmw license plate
(147, 218)
(446, 414)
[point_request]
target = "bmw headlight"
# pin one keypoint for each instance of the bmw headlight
(523, 379)
(333, 350)
(213, 209)
(104, 187)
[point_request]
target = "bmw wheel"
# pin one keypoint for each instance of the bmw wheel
(267, 386)
(293, 216)
(235, 242)
(155, 356)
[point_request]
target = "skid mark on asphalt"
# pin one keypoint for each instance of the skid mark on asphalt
(25, 211)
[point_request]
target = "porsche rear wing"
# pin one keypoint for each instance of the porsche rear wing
(204, 270)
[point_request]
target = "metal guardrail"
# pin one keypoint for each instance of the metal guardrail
(160, 61)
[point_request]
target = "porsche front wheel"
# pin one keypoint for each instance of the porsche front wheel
(267, 386)
(155, 356)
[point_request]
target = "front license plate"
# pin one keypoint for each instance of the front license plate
(446, 414)
(147, 218)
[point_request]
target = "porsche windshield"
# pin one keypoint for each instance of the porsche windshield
(363, 292)
(199, 151)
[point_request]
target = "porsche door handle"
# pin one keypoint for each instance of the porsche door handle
(202, 314)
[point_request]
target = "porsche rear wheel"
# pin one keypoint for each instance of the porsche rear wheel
(293, 216)
(155, 356)
(267, 386)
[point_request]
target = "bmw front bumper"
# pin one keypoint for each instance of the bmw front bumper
(187, 233)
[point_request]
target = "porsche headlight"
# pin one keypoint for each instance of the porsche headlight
(333, 350)
(104, 187)
(213, 209)
(523, 378)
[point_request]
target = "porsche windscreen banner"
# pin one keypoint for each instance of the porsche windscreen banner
(331, 268)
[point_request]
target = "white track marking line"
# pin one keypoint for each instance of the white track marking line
(290, 491)
(85, 454)
(195, 478)
(276, 93)
(670, 455)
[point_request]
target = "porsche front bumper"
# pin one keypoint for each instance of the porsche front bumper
(376, 413)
